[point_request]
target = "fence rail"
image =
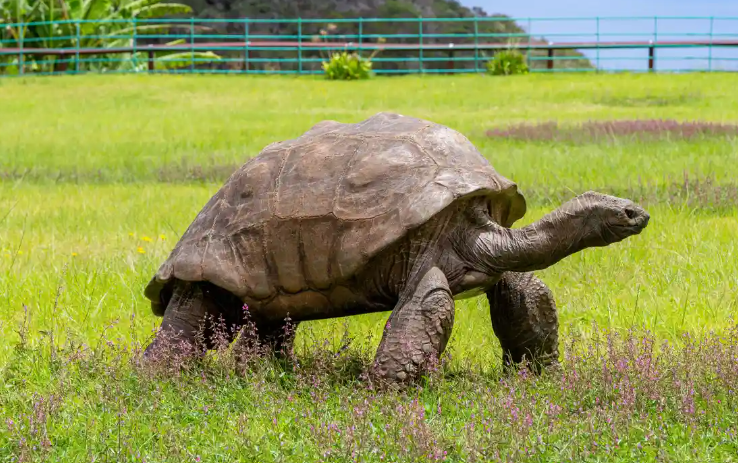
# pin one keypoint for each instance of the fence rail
(239, 46)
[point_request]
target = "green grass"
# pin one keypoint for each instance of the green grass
(129, 128)
(92, 165)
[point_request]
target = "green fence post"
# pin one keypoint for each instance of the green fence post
(361, 33)
(192, 44)
(246, 46)
(135, 46)
(598, 44)
(420, 40)
(299, 45)
(529, 52)
(76, 53)
(21, 57)
(709, 50)
(476, 44)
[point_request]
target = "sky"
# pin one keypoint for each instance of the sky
(626, 30)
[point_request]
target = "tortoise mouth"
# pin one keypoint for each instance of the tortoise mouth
(630, 229)
(633, 225)
(636, 219)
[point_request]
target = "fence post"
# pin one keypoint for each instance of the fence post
(361, 37)
(76, 52)
(21, 56)
(246, 46)
(709, 56)
(135, 46)
(151, 60)
(192, 44)
(420, 40)
(299, 45)
(529, 51)
(598, 44)
(361, 33)
(651, 49)
(476, 44)
(550, 61)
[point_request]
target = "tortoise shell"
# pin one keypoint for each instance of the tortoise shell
(310, 212)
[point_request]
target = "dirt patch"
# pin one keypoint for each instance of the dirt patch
(604, 131)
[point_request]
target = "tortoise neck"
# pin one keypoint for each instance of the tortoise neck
(537, 246)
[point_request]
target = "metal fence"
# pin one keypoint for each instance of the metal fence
(398, 45)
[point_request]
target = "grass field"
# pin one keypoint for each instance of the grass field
(101, 175)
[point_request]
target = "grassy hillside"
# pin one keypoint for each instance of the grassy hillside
(100, 175)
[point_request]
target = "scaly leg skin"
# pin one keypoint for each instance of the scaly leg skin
(417, 331)
(524, 318)
(191, 319)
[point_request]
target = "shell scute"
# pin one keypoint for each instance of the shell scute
(308, 179)
(383, 175)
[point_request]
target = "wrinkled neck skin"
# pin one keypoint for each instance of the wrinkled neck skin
(535, 247)
(484, 250)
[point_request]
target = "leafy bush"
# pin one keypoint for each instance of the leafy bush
(507, 62)
(347, 66)
(100, 24)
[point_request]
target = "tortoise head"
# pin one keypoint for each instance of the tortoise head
(602, 219)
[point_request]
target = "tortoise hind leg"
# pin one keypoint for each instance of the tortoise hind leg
(279, 337)
(192, 318)
(524, 318)
(276, 337)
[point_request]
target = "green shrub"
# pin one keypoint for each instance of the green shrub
(347, 66)
(507, 62)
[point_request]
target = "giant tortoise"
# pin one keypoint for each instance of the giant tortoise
(390, 214)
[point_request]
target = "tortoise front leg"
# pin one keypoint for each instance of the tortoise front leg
(416, 332)
(524, 318)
